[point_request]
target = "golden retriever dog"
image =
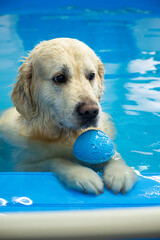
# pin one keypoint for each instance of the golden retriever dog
(57, 97)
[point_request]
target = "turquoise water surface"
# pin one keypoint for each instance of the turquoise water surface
(125, 35)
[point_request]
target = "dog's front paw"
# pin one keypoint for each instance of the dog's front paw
(119, 177)
(82, 179)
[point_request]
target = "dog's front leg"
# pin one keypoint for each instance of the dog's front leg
(77, 177)
(71, 174)
(118, 176)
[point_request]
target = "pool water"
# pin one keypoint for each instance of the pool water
(125, 35)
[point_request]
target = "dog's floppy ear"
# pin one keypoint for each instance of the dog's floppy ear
(101, 77)
(22, 93)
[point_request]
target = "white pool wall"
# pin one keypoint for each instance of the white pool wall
(123, 223)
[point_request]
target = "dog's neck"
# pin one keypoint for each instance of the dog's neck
(47, 129)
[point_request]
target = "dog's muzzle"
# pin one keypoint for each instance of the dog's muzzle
(87, 114)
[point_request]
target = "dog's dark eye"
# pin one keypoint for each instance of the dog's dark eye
(91, 76)
(59, 79)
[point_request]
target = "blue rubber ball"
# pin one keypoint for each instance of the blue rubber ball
(93, 147)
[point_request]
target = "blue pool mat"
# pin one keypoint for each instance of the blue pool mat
(43, 192)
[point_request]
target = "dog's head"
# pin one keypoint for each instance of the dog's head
(61, 79)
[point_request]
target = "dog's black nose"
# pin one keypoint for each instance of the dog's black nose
(88, 111)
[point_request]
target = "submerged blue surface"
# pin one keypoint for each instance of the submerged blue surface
(43, 192)
(126, 36)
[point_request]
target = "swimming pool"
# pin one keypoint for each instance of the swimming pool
(125, 35)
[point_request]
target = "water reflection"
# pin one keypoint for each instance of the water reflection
(11, 49)
(152, 192)
(10, 44)
(22, 200)
(143, 66)
(146, 95)
(3, 202)
(143, 93)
